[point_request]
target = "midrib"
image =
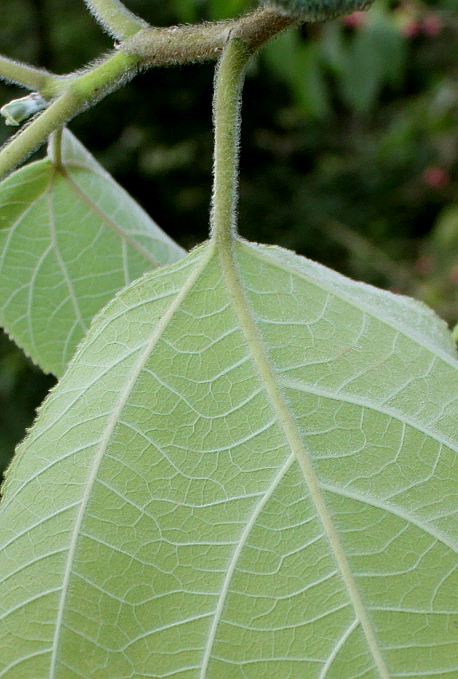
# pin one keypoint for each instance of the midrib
(287, 423)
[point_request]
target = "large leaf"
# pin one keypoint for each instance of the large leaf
(248, 470)
(299, 64)
(374, 57)
(70, 238)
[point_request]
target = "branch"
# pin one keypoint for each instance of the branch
(81, 92)
(148, 47)
(117, 20)
(23, 74)
(193, 43)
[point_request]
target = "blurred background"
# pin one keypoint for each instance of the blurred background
(349, 149)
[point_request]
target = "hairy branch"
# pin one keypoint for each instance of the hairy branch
(230, 74)
(80, 93)
(146, 48)
(117, 20)
(192, 43)
(24, 74)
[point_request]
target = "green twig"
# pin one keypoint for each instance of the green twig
(79, 94)
(120, 22)
(34, 134)
(230, 74)
(55, 148)
(146, 48)
(24, 74)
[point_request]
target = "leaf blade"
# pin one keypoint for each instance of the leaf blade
(217, 563)
(70, 239)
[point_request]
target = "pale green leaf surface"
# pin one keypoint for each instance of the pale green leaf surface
(70, 238)
(247, 471)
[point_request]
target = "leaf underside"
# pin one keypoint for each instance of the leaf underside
(248, 470)
(70, 238)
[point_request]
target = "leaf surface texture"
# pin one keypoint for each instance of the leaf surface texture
(70, 238)
(248, 470)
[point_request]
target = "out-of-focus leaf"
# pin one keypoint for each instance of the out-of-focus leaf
(362, 74)
(444, 236)
(391, 46)
(333, 47)
(309, 84)
(374, 58)
(300, 65)
(280, 54)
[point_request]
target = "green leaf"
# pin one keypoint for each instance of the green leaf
(281, 53)
(300, 66)
(248, 470)
(309, 85)
(362, 76)
(70, 238)
(444, 236)
(333, 47)
(375, 58)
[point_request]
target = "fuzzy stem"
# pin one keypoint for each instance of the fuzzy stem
(80, 92)
(230, 74)
(117, 20)
(34, 134)
(192, 43)
(55, 148)
(24, 74)
(148, 47)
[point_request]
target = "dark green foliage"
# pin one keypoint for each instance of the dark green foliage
(28, 384)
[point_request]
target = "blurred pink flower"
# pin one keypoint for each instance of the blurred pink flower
(354, 20)
(436, 177)
(410, 28)
(431, 25)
